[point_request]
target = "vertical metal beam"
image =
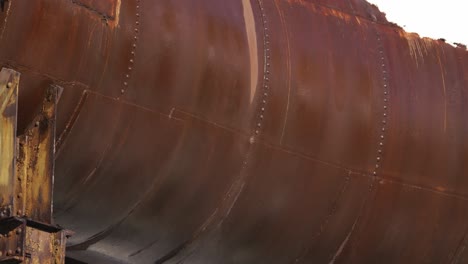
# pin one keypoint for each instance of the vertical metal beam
(9, 80)
(36, 163)
(27, 233)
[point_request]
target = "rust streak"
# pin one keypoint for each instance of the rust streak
(250, 29)
(5, 22)
(442, 73)
(344, 243)
(288, 68)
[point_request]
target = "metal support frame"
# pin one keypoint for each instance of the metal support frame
(27, 233)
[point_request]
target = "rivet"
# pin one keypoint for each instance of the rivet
(385, 100)
(381, 143)
(385, 93)
(385, 107)
(18, 250)
(378, 158)
(131, 60)
(134, 45)
(384, 121)
(129, 68)
(261, 116)
(385, 86)
(256, 132)
(138, 23)
(382, 136)
(263, 109)
(136, 29)
(19, 231)
(259, 125)
(264, 102)
(37, 123)
(383, 128)
(127, 76)
(265, 94)
(122, 91)
(380, 151)
(252, 140)
(137, 14)
(385, 114)
(133, 52)
(135, 38)
(377, 166)
(9, 85)
(375, 173)
(137, 6)
(125, 83)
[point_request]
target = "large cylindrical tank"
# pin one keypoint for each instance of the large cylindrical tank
(247, 131)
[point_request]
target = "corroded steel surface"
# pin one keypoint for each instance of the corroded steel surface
(27, 233)
(247, 131)
(8, 114)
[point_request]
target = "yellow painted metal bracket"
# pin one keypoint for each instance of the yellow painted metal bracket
(27, 231)
(9, 81)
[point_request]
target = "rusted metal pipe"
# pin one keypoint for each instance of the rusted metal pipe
(247, 131)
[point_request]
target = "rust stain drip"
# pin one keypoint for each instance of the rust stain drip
(250, 28)
(444, 87)
(288, 65)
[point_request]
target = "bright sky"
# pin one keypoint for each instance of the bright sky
(436, 19)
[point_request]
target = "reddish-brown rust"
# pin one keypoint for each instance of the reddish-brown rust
(106, 8)
(349, 147)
